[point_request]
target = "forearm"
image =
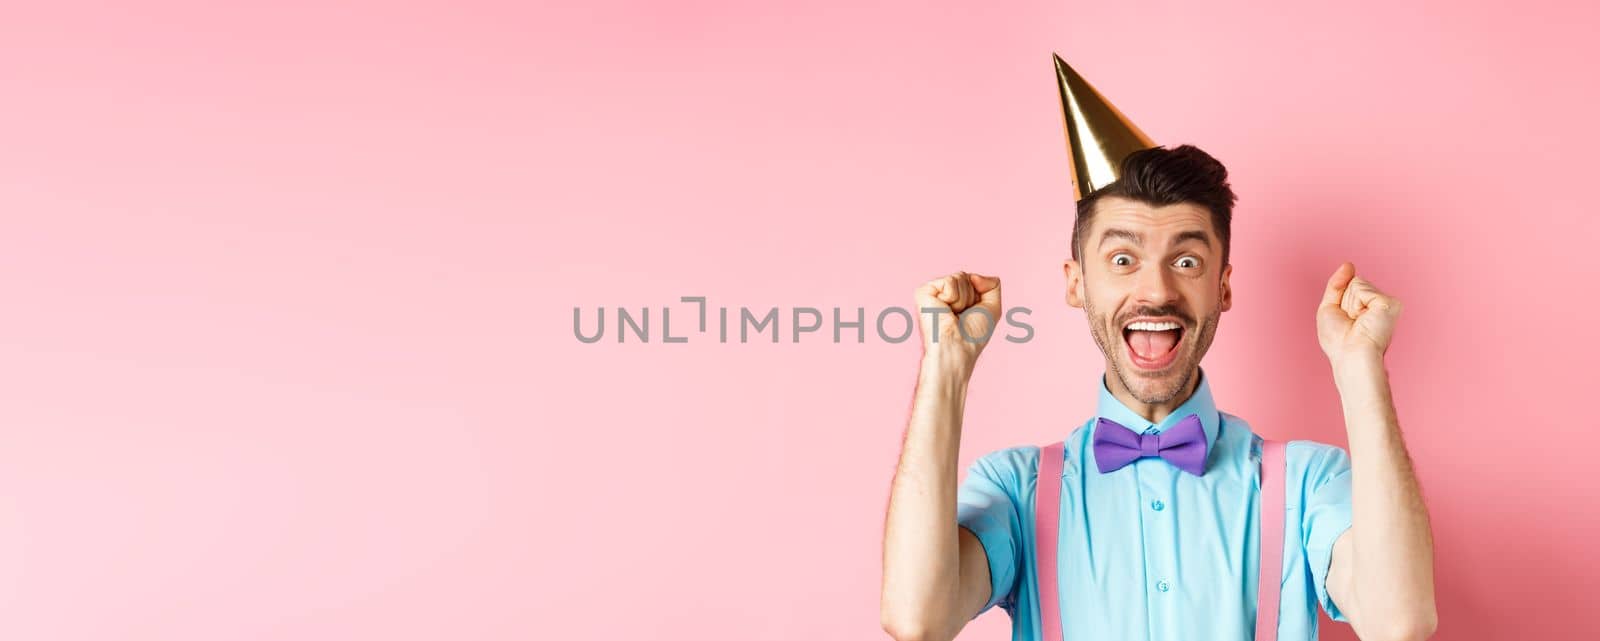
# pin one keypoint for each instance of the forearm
(1392, 542)
(921, 555)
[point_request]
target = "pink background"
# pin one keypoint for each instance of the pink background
(288, 347)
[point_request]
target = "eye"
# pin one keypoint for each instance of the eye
(1114, 260)
(1192, 261)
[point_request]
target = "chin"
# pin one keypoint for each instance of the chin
(1156, 386)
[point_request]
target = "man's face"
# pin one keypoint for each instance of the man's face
(1160, 265)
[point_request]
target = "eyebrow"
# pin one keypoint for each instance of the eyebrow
(1138, 239)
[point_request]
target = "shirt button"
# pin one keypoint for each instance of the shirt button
(1163, 586)
(1157, 505)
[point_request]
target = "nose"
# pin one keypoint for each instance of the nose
(1154, 287)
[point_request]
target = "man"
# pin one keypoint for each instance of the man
(1155, 548)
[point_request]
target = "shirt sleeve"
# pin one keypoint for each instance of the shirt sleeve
(1326, 515)
(985, 505)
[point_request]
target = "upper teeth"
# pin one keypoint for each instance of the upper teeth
(1153, 327)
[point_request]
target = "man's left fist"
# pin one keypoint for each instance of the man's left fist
(1354, 317)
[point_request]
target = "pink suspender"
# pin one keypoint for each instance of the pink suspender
(1273, 472)
(1047, 534)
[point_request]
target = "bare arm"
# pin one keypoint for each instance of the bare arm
(935, 573)
(1381, 573)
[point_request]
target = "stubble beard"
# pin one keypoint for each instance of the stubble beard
(1151, 391)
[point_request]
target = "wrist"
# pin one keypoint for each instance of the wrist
(1358, 362)
(1358, 370)
(945, 367)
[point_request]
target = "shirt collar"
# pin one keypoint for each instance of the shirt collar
(1199, 403)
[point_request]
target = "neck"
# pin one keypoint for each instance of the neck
(1153, 412)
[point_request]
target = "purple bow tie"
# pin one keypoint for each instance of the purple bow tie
(1183, 445)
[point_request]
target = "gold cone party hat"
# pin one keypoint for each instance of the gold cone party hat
(1098, 136)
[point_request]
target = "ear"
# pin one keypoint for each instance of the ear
(1227, 290)
(1074, 272)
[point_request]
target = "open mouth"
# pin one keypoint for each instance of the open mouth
(1152, 344)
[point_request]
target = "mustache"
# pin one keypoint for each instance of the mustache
(1185, 319)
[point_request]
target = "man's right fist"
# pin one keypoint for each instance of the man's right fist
(958, 315)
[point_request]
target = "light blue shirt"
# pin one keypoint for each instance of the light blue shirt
(1149, 552)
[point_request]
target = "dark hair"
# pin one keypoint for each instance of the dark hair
(1159, 176)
